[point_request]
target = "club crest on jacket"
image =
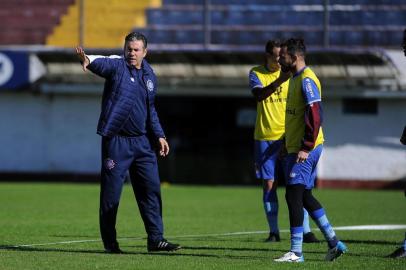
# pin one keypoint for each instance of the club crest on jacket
(150, 85)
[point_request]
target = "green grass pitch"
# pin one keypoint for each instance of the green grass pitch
(49, 218)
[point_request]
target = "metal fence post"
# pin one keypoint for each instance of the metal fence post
(326, 24)
(82, 22)
(207, 24)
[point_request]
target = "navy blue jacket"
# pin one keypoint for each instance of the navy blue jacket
(118, 101)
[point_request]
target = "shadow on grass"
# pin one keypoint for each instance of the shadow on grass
(175, 254)
(36, 249)
(74, 236)
(188, 251)
(371, 242)
(239, 249)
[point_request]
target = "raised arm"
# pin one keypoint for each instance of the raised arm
(101, 65)
(260, 92)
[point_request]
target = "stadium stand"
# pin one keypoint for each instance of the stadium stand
(105, 23)
(28, 22)
(184, 24)
(236, 24)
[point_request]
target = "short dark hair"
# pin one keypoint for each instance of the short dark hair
(295, 46)
(404, 36)
(404, 42)
(133, 36)
(272, 43)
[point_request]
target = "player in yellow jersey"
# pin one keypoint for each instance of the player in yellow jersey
(268, 135)
(304, 144)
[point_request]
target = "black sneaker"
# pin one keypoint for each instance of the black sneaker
(399, 253)
(162, 245)
(310, 238)
(273, 237)
(113, 249)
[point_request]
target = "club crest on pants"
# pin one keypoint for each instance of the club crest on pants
(109, 163)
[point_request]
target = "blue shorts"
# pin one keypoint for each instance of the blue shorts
(266, 158)
(302, 173)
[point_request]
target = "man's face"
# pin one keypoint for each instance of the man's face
(274, 56)
(134, 52)
(285, 59)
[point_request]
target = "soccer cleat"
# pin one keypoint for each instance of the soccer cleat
(310, 238)
(273, 237)
(335, 252)
(290, 257)
(162, 245)
(398, 253)
(113, 249)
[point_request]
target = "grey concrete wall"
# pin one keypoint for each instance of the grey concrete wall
(56, 133)
(49, 133)
(364, 147)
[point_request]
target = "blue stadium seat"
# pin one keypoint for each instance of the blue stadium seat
(241, 22)
(354, 38)
(182, 2)
(340, 18)
(352, 2)
(225, 17)
(221, 37)
(370, 17)
(374, 38)
(366, 2)
(265, 2)
(395, 18)
(189, 37)
(243, 2)
(174, 17)
(336, 38)
(312, 38)
(178, 36)
(346, 38)
(395, 37)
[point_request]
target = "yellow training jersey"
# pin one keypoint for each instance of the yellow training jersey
(304, 89)
(270, 122)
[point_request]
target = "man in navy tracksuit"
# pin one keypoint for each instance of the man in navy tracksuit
(129, 124)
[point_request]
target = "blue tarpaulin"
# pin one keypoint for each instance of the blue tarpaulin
(14, 69)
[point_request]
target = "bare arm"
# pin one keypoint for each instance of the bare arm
(261, 93)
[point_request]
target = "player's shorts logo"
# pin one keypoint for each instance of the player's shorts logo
(109, 163)
(150, 85)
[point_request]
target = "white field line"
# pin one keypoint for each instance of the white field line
(343, 228)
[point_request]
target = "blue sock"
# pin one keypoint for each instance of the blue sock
(404, 243)
(321, 220)
(306, 224)
(296, 240)
(271, 206)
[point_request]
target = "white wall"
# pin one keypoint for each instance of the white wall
(364, 147)
(57, 133)
(49, 133)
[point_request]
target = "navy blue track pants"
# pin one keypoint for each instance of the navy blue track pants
(134, 154)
